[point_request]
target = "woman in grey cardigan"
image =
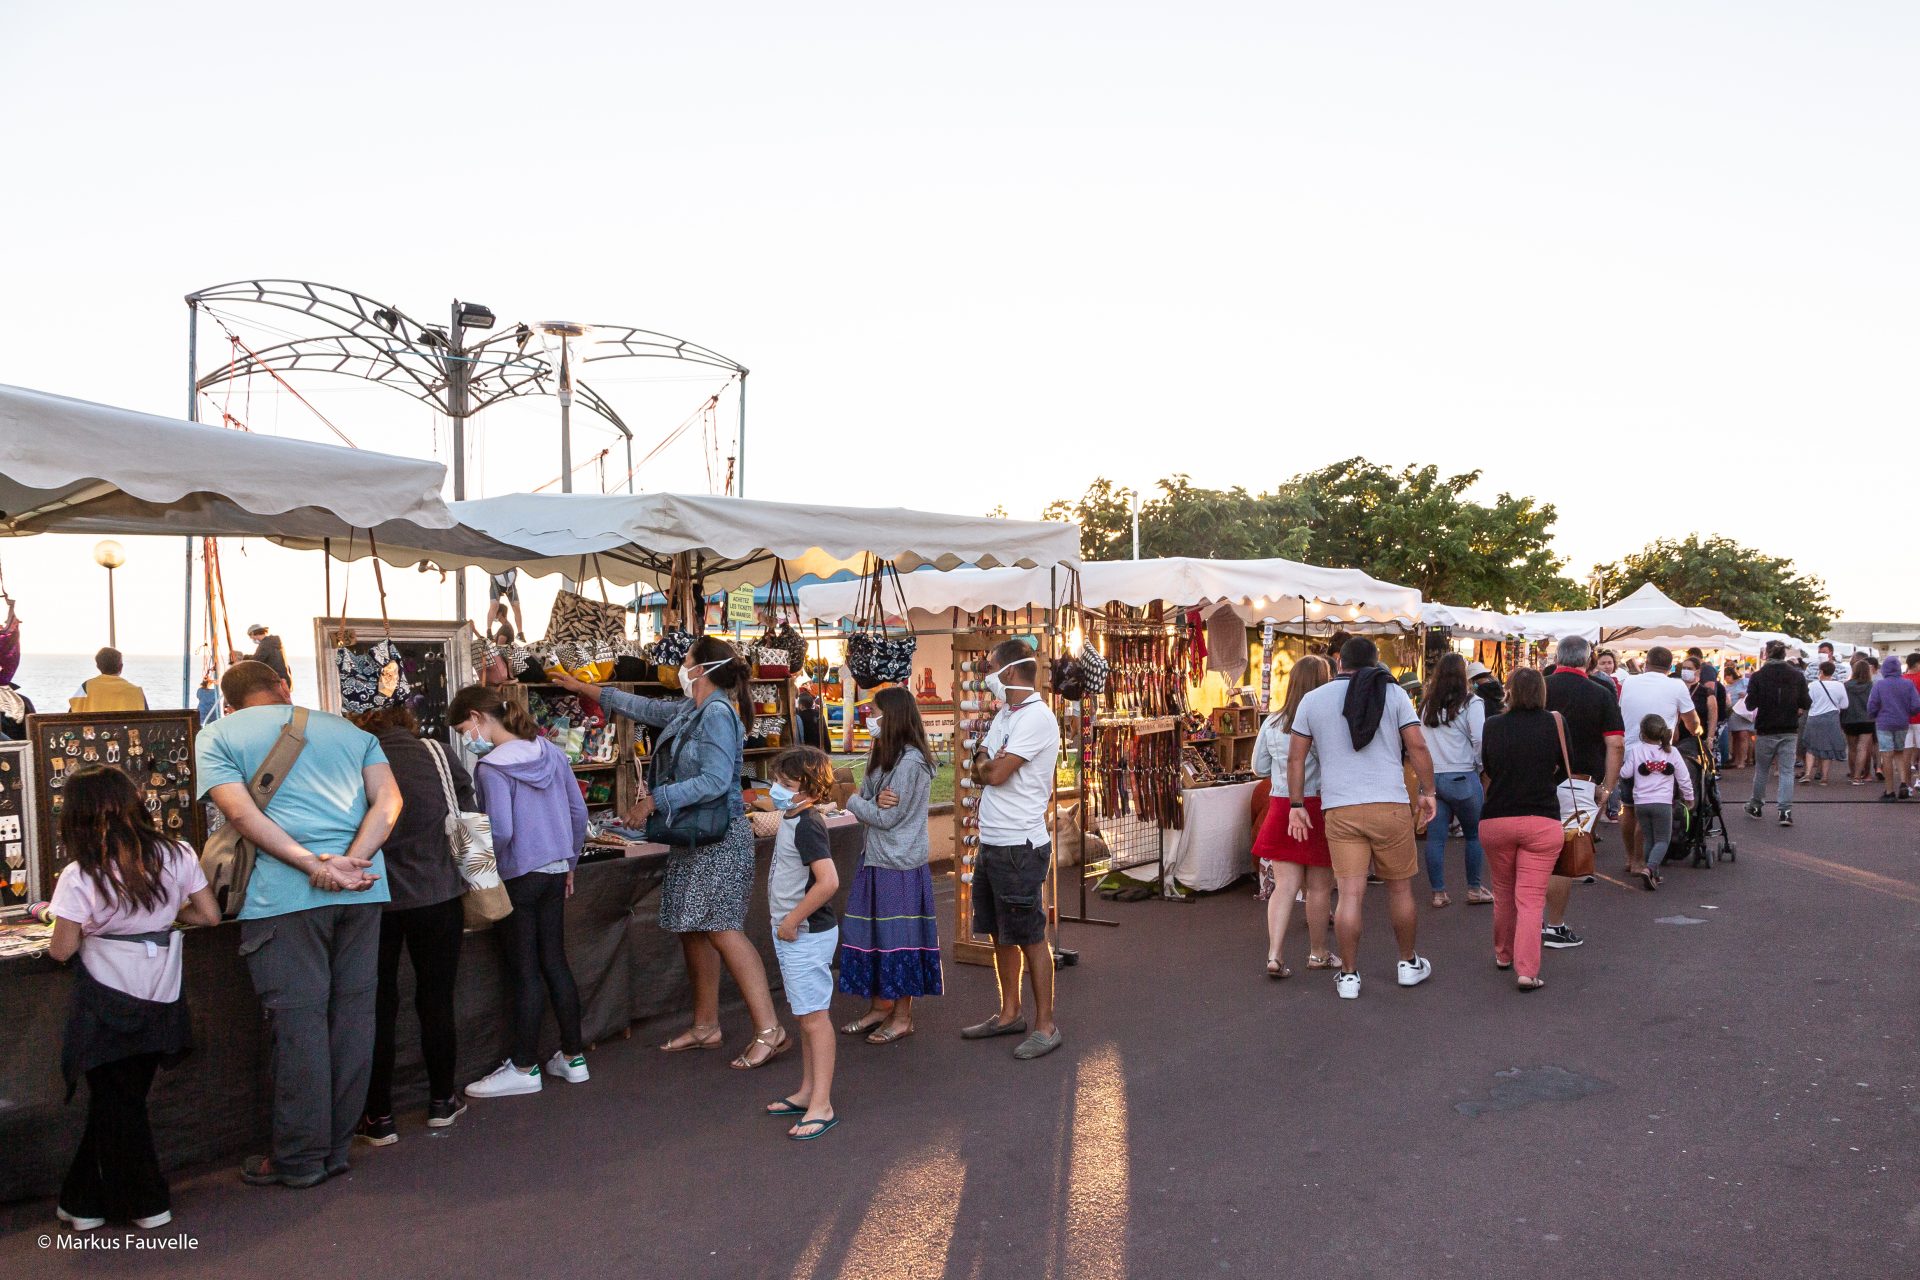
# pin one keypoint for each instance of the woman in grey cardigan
(889, 935)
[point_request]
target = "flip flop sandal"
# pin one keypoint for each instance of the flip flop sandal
(1480, 897)
(886, 1036)
(861, 1026)
(1327, 961)
(819, 1127)
(785, 1107)
(1441, 900)
(1276, 970)
(1530, 984)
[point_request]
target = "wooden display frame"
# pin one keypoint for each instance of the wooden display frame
(111, 736)
(418, 639)
(19, 832)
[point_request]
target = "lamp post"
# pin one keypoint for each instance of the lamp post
(566, 331)
(1133, 497)
(110, 555)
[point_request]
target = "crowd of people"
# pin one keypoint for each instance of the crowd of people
(353, 865)
(1358, 771)
(353, 868)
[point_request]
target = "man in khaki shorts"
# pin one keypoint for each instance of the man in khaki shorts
(1362, 726)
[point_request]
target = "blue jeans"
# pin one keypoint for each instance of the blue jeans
(1456, 795)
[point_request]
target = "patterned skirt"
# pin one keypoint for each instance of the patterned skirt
(890, 935)
(706, 891)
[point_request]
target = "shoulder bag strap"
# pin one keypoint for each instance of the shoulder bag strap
(280, 761)
(438, 751)
(1560, 729)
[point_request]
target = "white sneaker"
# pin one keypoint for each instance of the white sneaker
(159, 1219)
(1348, 985)
(573, 1070)
(505, 1081)
(78, 1223)
(1415, 971)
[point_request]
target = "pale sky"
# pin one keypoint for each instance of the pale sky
(1652, 262)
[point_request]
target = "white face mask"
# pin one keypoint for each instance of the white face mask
(688, 676)
(997, 685)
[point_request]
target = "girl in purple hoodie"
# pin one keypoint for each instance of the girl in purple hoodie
(528, 793)
(1894, 705)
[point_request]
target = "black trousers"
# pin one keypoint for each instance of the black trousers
(115, 1173)
(533, 942)
(431, 936)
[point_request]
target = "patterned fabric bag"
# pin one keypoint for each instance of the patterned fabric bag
(578, 620)
(876, 655)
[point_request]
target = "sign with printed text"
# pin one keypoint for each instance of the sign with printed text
(740, 605)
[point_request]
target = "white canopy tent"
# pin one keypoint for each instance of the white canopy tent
(636, 538)
(1644, 618)
(1283, 590)
(72, 466)
(1472, 624)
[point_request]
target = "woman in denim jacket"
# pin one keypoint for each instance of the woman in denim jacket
(704, 895)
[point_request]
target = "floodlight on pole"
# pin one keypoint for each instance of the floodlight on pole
(110, 555)
(566, 331)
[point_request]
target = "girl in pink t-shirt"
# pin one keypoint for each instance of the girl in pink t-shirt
(115, 905)
(1657, 771)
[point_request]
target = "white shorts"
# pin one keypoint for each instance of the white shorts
(1913, 737)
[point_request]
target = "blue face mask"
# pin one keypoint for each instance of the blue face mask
(781, 795)
(479, 746)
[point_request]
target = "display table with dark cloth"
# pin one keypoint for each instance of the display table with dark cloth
(214, 1106)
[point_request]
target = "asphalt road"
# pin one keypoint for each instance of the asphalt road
(1734, 1097)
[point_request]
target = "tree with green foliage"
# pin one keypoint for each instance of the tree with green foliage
(1759, 591)
(1414, 527)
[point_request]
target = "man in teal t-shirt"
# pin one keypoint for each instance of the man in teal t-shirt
(310, 926)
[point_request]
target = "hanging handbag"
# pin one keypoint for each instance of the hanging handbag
(1576, 845)
(227, 861)
(692, 825)
(783, 613)
(592, 623)
(876, 655)
(470, 841)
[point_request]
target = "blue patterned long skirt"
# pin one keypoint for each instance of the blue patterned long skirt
(890, 936)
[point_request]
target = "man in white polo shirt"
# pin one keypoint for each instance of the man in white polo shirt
(1015, 770)
(1654, 692)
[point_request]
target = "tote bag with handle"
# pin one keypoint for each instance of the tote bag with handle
(470, 840)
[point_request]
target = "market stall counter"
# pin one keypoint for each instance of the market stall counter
(215, 1106)
(1214, 845)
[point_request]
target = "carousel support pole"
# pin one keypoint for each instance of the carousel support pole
(457, 373)
(740, 450)
(186, 598)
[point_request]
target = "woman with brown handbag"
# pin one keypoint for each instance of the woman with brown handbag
(1524, 758)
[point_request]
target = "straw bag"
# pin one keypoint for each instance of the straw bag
(1576, 846)
(470, 839)
(876, 655)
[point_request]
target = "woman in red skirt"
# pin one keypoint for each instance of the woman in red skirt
(1285, 862)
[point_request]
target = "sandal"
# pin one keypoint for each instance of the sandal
(1441, 900)
(799, 1132)
(862, 1025)
(785, 1107)
(1277, 970)
(1327, 961)
(888, 1035)
(1530, 984)
(692, 1038)
(1479, 897)
(774, 1049)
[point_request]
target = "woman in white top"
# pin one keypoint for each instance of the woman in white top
(114, 905)
(1455, 723)
(1285, 863)
(1823, 740)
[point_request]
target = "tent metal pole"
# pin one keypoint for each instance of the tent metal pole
(740, 448)
(186, 599)
(457, 371)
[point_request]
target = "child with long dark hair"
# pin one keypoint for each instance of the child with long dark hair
(539, 824)
(115, 905)
(890, 936)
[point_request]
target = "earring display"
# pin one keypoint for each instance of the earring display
(154, 748)
(17, 826)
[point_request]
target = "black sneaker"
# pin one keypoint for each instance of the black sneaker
(1903, 792)
(1754, 809)
(376, 1131)
(1373, 879)
(1889, 798)
(442, 1114)
(1559, 937)
(1786, 817)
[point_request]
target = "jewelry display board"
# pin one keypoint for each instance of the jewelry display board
(19, 880)
(436, 659)
(154, 748)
